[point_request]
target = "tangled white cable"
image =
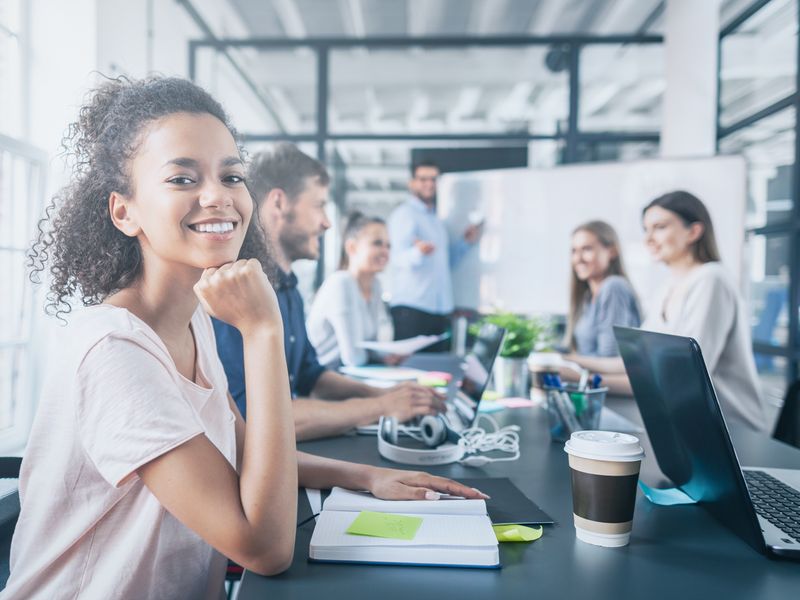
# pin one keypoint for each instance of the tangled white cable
(476, 439)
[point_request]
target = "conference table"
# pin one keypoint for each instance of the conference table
(675, 551)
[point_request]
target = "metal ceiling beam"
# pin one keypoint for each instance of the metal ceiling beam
(600, 136)
(429, 41)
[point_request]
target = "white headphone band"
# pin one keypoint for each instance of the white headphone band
(442, 455)
(471, 441)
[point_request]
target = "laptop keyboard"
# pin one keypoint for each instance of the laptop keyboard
(775, 501)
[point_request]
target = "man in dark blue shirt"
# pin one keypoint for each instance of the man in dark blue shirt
(290, 190)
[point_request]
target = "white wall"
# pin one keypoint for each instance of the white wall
(522, 262)
(126, 45)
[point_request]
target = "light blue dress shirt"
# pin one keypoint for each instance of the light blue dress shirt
(418, 280)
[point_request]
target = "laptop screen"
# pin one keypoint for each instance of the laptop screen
(685, 425)
(477, 368)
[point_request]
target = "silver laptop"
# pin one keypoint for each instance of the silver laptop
(464, 396)
(690, 438)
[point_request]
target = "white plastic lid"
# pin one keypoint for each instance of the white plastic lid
(604, 445)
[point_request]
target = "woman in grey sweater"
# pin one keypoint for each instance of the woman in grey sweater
(698, 300)
(601, 295)
(348, 308)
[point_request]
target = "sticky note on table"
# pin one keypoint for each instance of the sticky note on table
(516, 533)
(515, 402)
(385, 525)
(428, 381)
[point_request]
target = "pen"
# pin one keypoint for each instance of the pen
(596, 379)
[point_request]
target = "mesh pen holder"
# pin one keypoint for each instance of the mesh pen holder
(570, 409)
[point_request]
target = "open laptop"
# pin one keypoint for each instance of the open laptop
(686, 427)
(464, 397)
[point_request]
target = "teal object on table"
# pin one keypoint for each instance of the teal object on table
(666, 496)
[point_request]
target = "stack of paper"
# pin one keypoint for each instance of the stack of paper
(403, 347)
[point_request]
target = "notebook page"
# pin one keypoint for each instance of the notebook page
(435, 530)
(346, 500)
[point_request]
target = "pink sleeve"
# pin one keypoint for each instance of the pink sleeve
(129, 407)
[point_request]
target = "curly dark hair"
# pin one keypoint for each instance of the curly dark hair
(88, 256)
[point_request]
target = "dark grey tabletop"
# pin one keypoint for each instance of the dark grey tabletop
(675, 552)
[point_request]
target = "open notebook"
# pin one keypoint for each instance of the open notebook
(453, 533)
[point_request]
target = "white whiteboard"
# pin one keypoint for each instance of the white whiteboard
(522, 263)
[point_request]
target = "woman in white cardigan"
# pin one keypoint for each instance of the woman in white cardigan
(348, 308)
(699, 300)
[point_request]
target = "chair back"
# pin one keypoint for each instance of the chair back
(787, 429)
(9, 467)
(9, 511)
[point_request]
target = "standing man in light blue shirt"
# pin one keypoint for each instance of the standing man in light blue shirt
(422, 256)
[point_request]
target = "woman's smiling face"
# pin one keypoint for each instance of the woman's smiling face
(369, 250)
(667, 237)
(188, 205)
(590, 259)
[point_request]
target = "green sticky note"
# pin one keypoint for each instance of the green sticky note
(491, 395)
(432, 381)
(516, 533)
(384, 525)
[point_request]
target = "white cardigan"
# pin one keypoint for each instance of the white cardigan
(341, 318)
(706, 306)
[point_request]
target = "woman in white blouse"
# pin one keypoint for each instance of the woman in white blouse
(348, 308)
(699, 300)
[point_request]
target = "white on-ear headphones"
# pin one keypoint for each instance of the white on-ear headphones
(389, 448)
(445, 445)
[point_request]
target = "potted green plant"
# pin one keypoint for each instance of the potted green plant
(523, 334)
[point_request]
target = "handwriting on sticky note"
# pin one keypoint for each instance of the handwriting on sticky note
(385, 525)
(516, 533)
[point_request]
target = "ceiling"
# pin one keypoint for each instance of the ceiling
(487, 90)
(362, 18)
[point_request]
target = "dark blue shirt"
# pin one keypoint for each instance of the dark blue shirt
(301, 358)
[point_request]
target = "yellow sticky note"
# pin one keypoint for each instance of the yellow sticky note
(490, 395)
(384, 525)
(516, 533)
(431, 381)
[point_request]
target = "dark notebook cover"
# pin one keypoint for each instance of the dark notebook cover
(508, 505)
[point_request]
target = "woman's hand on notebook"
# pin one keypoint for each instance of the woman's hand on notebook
(395, 484)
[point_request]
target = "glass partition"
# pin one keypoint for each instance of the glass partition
(758, 62)
(447, 90)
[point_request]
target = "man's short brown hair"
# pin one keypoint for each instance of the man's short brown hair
(286, 168)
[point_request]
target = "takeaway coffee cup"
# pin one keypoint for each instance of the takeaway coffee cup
(605, 470)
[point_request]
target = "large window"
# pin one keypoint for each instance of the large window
(22, 175)
(758, 62)
(11, 68)
(758, 119)
(22, 172)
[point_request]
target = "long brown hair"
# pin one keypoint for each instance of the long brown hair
(690, 209)
(579, 290)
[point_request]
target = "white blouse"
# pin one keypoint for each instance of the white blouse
(340, 318)
(705, 305)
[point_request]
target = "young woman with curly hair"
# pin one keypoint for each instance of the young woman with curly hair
(140, 475)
